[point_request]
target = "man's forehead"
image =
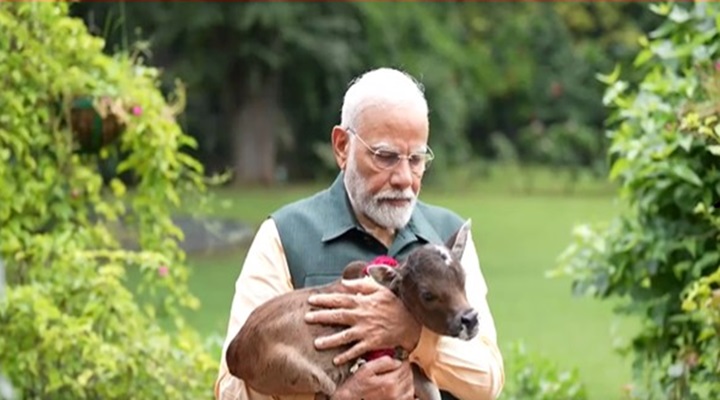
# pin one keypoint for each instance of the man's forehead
(396, 145)
(393, 117)
(395, 129)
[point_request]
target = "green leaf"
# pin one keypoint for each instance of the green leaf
(662, 9)
(610, 78)
(709, 259)
(645, 282)
(707, 333)
(84, 377)
(679, 15)
(618, 168)
(613, 93)
(643, 57)
(684, 172)
(685, 142)
(664, 49)
(714, 149)
(681, 268)
(691, 245)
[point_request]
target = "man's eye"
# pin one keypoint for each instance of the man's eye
(386, 155)
(416, 159)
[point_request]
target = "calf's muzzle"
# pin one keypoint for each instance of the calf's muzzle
(465, 324)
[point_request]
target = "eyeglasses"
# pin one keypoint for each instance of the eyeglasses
(387, 159)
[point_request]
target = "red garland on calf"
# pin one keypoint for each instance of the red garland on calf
(391, 262)
(380, 260)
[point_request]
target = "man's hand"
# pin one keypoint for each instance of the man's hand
(375, 317)
(380, 379)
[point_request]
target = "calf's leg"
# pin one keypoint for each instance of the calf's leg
(424, 388)
(287, 371)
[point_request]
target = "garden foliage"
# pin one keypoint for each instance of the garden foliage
(532, 376)
(659, 258)
(70, 328)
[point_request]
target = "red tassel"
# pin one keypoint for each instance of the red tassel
(391, 262)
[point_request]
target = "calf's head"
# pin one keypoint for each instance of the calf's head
(431, 284)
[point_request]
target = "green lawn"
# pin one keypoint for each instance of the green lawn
(518, 236)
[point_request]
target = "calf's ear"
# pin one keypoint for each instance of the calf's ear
(457, 241)
(354, 270)
(382, 274)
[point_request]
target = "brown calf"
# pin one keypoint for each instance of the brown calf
(274, 354)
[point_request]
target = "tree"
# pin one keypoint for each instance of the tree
(660, 256)
(68, 321)
(243, 64)
(278, 71)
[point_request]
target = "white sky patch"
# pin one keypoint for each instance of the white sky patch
(446, 254)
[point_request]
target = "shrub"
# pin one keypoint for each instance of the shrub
(534, 377)
(662, 251)
(69, 326)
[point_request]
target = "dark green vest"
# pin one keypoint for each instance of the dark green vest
(320, 235)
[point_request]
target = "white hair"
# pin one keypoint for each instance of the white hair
(381, 87)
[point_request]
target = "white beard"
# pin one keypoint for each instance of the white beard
(373, 206)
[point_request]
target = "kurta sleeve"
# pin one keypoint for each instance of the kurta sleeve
(264, 275)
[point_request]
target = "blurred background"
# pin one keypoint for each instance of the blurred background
(517, 126)
(506, 82)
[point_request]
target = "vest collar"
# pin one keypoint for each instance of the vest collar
(339, 213)
(341, 219)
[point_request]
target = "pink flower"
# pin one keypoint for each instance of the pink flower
(384, 260)
(380, 260)
(717, 66)
(137, 110)
(163, 271)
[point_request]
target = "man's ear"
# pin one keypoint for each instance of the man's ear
(457, 242)
(354, 270)
(382, 274)
(340, 146)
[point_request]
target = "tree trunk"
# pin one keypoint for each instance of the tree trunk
(256, 123)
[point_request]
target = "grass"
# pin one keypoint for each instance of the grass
(518, 237)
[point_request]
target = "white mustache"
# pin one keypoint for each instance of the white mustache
(395, 196)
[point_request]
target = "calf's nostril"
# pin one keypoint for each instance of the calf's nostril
(469, 319)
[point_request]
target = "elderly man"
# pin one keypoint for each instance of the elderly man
(371, 209)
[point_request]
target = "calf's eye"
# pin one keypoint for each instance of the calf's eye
(427, 296)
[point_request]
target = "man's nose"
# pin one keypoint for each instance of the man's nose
(402, 175)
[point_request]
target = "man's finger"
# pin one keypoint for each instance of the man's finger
(337, 339)
(362, 286)
(352, 353)
(331, 317)
(383, 365)
(334, 300)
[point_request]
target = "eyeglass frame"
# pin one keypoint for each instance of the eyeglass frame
(428, 155)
